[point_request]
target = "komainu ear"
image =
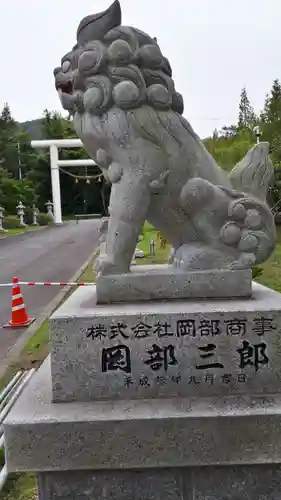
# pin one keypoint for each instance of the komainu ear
(96, 26)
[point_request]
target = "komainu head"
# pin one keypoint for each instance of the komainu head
(114, 65)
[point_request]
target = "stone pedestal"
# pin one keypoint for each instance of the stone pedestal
(212, 448)
(163, 281)
(194, 483)
(155, 400)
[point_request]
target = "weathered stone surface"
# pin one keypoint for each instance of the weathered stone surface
(119, 88)
(236, 483)
(114, 485)
(102, 237)
(165, 282)
(136, 434)
(200, 483)
(164, 349)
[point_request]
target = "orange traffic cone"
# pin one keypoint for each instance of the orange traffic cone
(20, 318)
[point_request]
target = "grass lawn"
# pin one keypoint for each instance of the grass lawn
(34, 352)
(271, 275)
(22, 486)
(20, 230)
(161, 254)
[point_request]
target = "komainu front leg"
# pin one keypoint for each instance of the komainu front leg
(129, 203)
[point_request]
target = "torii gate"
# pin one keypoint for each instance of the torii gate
(55, 163)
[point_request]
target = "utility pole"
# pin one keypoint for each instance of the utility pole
(19, 161)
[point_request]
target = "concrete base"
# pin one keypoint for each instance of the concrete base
(186, 483)
(160, 282)
(45, 436)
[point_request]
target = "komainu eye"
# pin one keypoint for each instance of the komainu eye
(65, 67)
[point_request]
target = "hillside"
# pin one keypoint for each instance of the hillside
(34, 128)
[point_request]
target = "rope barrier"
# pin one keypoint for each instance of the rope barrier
(48, 283)
(96, 176)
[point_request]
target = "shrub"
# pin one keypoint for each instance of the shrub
(163, 242)
(11, 222)
(44, 219)
(2, 458)
(277, 218)
(28, 216)
(13, 191)
(256, 272)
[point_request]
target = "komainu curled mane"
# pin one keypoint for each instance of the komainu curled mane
(118, 86)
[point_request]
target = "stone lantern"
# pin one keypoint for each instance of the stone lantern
(152, 248)
(34, 215)
(20, 211)
(49, 206)
(2, 210)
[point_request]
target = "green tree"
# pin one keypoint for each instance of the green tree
(12, 191)
(229, 148)
(233, 142)
(246, 118)
(271, 120)
(16, 155)
(3, 175)
(272, 106)
(8, 141)
(271, 132)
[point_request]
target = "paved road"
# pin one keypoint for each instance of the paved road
(53, 254)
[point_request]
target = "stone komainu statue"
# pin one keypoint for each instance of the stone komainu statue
(118, 86)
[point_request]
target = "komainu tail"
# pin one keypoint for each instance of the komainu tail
(253, 174)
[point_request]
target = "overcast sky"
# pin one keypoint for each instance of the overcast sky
(215, 48)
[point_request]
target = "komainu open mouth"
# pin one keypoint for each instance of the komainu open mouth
(65, 87)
